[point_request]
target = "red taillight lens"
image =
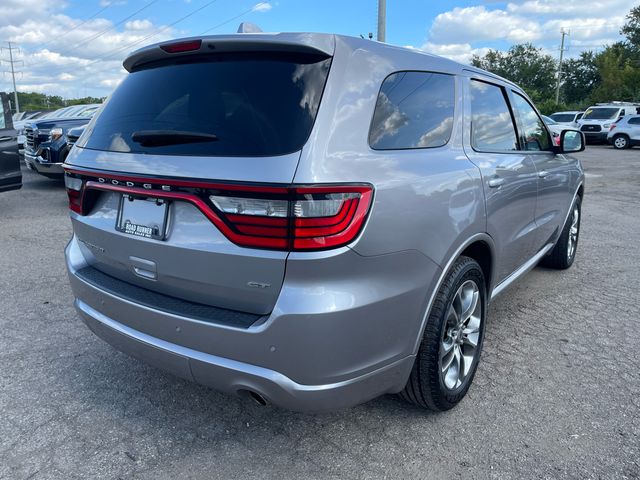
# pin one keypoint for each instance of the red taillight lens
(74, 187)
(301, 218)
(180, 47)
(612, 127)
(276, 218)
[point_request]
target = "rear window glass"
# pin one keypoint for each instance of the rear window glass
(563, 117)
(413, 110)
(634, 120)
(214, 105)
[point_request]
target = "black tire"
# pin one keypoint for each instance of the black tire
(559, 257)
(426, 385)
(621, 142)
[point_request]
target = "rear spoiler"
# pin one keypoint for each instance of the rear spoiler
(313, 43)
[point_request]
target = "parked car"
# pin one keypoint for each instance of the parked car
(625, 133)
(19, 126)
(597, 120)
(567, 118)
(554, 128)
(10, 174)
(46, 141)
(327, 241)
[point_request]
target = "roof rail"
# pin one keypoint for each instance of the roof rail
(618, 104)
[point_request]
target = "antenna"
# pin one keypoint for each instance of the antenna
(247, 27)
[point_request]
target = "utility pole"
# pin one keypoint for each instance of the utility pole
(564, 34)
(382, 20)
(12, 64)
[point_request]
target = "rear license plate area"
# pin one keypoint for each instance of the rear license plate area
(142, 217)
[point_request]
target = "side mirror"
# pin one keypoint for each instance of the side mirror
(571, 141)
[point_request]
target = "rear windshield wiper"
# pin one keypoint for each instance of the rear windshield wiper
(160, 138)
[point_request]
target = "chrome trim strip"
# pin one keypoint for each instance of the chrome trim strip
(528, 265)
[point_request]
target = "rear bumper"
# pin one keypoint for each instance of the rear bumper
(35, 161)
(235, 377)
(310, 354)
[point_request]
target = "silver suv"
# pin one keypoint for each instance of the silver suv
(312, 220)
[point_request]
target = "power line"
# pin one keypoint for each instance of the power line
(126, 47)
(102, 32)
(78, 25)
(12, 63)
(229, 21)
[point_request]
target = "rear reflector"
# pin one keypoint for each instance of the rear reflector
(180, 47)
(295, 218)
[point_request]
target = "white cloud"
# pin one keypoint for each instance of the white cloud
(262, 7)
(461, 32)
(58, 60)
(472, 24)
(138, 25)
(460, 52)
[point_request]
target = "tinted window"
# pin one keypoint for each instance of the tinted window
(563, 117)
(601, 113)
(413, 110)
(240, 104)
(2, 122)
(492, 128)
(532, 130)
(634, 120)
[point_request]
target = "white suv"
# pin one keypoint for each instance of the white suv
(625, 133)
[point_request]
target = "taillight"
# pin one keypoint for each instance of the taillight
(277, 218)
(180, 47)
(299, 218)
(612, 126)
(74, 192)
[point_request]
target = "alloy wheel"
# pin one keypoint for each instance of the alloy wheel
(620, 142)
(573, 232)
(461, 335)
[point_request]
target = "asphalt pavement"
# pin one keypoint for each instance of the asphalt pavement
(557, 393)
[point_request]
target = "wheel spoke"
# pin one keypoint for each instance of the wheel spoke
(452, 373)
(471, 304)
(471, 338)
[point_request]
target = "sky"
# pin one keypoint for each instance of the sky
(75, 48)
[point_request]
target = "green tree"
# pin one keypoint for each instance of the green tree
(631, 29)
(524, 65)
(580, 76)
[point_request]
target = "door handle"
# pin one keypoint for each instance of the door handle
(543, 174)
(496, 182)
(5, 139)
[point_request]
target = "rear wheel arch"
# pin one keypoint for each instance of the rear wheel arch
(482, 253)
(478, 246)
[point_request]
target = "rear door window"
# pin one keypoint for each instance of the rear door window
(413, 110)
(238, 104)
(492, 127)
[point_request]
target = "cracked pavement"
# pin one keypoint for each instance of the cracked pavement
(557, 393)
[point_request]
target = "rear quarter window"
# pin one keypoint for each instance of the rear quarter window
(245, 104)
(413, 110)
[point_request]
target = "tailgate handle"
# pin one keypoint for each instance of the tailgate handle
(144, 268)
